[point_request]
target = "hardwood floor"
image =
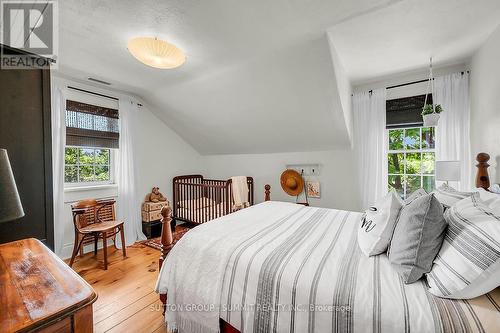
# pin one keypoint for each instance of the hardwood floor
(126, 299)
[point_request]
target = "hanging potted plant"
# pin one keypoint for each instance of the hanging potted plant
(430, 113)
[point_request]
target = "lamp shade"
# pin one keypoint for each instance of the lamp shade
(448, 170)
(10, 204)
(156, 53)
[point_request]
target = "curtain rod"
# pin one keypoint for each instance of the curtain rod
(410, 83)
(93, 93)
(97, 94)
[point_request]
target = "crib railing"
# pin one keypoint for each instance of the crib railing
(198, 200)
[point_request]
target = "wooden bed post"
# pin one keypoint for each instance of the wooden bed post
(267, 192)
(166, 233)
(482, 177)
(167, 240)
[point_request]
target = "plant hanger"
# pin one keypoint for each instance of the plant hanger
(430, 85)
(430, 112)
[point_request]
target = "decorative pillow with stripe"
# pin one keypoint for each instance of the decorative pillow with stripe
(377, 225)
(468, 264)
(491, 199)
(448, 196)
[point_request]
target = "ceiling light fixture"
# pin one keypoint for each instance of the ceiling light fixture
(156, 53)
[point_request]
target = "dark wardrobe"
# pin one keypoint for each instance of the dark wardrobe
(25, 131)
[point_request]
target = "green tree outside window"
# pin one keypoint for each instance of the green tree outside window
(87, 165)
(411, 160)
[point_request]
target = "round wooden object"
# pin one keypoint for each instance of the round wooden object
(267, 192)
(167, 237)
(483, 157)
(482, 177)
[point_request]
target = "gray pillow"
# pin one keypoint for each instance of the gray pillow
(417, 237)
(417, 194)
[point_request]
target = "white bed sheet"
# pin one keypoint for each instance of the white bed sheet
(281, 267)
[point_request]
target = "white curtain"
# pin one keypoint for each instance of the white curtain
(58, 121)
(128, 205)
(453, 130)
(370, 144)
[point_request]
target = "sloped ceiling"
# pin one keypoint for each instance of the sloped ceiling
(404, 36)
(261, 76)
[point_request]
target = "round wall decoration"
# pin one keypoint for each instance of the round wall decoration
(292, 182)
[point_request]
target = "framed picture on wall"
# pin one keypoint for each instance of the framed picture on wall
(313, 189)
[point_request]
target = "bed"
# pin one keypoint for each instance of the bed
(198, 200)
(281, 267)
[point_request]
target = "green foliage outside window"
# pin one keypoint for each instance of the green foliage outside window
(411, 160)
(87, 165)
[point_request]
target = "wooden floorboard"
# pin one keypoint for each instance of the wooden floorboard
(126, 299)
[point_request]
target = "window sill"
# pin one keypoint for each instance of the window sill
(90, 188)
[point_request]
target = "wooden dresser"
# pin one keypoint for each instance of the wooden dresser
(40, 293)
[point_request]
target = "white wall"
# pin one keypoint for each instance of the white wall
(159, 153)
(344, 88)
(337, 174)
(485, 106)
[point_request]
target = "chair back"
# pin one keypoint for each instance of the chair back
(90, 211)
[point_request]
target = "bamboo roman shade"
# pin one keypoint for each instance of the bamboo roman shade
(91, 125)
(406, 112)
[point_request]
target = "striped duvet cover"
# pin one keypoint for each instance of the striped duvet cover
(280, 267)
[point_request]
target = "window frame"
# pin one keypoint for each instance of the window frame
(111, 167)
(420, 150)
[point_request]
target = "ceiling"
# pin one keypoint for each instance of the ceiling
(404, 36)
(265, 76)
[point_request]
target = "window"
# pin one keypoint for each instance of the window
(92, 134)
(411, 159)
(91, 126)
(406, 111)
(87, 166)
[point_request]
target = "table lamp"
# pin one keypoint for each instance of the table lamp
(10, 204)
(448, 171)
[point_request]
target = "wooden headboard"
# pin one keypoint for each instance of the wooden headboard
(482, 177)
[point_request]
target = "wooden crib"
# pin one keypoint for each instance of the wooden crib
(198, 200)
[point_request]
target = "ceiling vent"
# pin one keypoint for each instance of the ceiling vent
(98, 81)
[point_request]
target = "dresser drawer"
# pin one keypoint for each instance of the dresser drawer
(151, 216)
(59, 327)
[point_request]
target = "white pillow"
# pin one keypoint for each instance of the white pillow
(468, 264)
(491, 199)
(377, 225)
(448, 196)
(495, 188)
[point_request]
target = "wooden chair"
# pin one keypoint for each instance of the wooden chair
(92, 220)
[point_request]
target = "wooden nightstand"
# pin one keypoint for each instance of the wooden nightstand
(39, 292)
